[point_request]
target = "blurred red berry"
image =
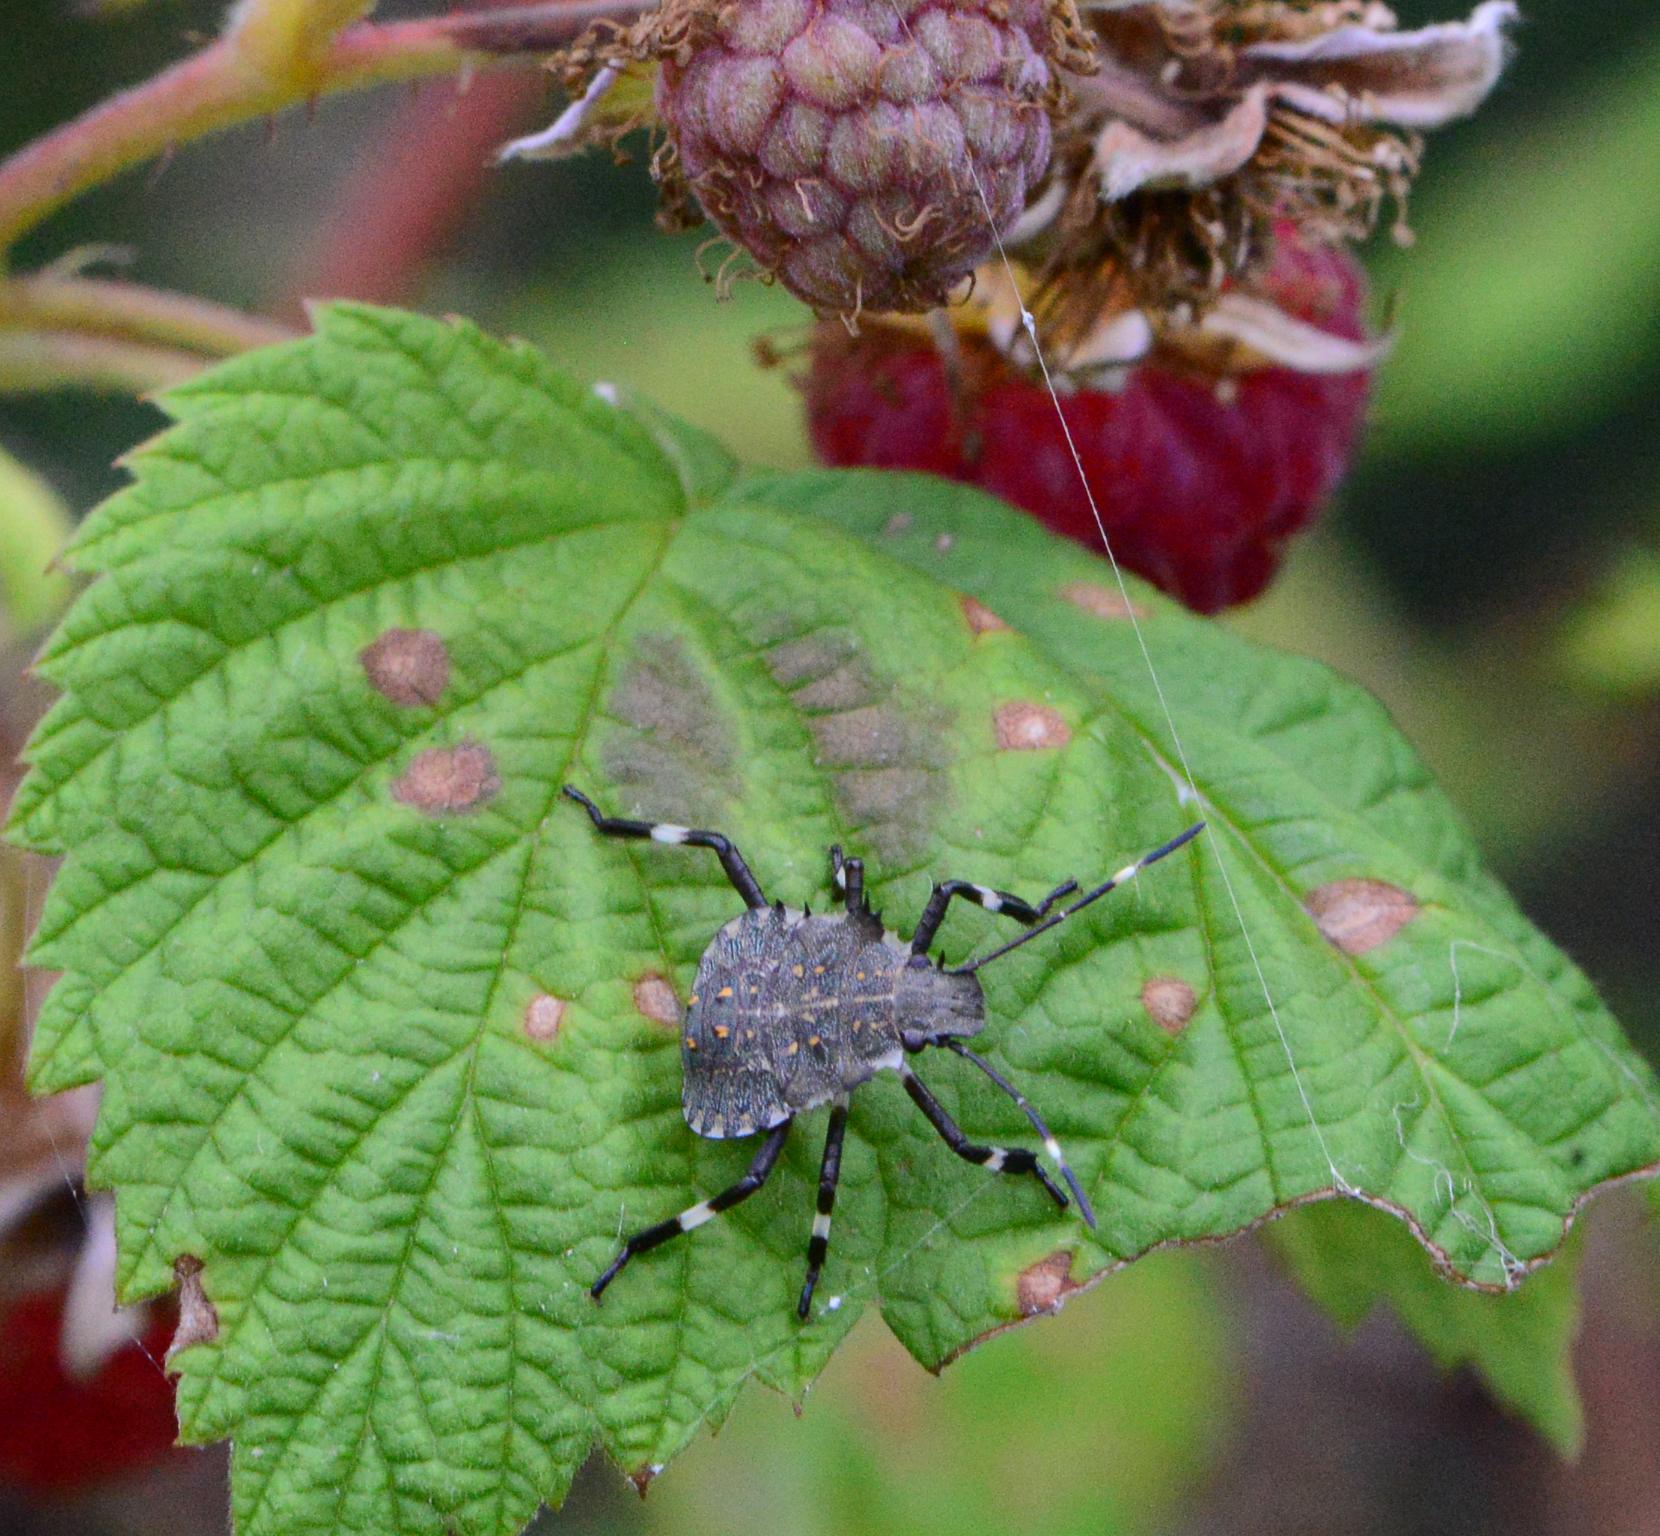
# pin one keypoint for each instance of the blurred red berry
(59, 1434)
(1200, 479)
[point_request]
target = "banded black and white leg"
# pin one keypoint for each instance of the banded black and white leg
(829, 1174)
(1022, 911)
(848, 878)
(997, 1159)
(694, 1216)
(738, 872)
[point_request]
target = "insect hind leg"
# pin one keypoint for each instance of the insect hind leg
(830, 1172)
(694, 1216)
(737, 871)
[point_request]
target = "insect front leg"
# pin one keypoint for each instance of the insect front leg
(695, 1215)
(928, 925)
(738, 872)
(848, 878)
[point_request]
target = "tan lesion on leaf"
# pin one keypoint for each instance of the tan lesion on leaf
(543, 1016)
(1101, 602)
(1044, 1286)
(981, 619)
(448, 781)
(198, 1317)
(1358, 916)
(1025, 726)
(410, 667)
(1169, 1002)
(654, 998)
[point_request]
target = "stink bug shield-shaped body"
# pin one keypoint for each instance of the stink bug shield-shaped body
(790, 1011)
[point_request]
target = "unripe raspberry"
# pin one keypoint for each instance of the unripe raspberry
(846, 144)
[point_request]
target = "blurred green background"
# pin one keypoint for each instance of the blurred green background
(1492, 571)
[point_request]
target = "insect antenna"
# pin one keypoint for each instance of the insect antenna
(1128, 872)
(1052, 1146)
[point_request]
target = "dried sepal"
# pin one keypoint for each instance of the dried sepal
(1207, 121)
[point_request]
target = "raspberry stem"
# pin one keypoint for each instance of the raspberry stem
(230, 82)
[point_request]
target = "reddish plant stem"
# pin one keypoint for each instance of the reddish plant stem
(222, 85)
(410, 191)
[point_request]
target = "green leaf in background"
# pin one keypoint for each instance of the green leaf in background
(1099, 1422)
(390, 1038)
(34, 523)
(1545, 276)
(1613, 641)
(1350, 1259)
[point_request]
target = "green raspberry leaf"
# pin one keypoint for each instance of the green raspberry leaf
(390, 1037)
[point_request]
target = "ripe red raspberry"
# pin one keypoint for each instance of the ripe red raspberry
(845, 143)
(1199, 481)
(58, 1434)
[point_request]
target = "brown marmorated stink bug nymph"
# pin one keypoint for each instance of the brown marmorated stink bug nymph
(790, 1011)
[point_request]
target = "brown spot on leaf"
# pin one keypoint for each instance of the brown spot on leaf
(543, 1016)
(1026, 727)
(1103, 602)
(643, 1477)
(1169, 1001)
(674, 751)
(198, 1317)
(655, 998)
(943, 542)
(448, 781)
(981, 620)
(1043, 1286)
(1359, 915)
(897, 524)
(409, 666)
